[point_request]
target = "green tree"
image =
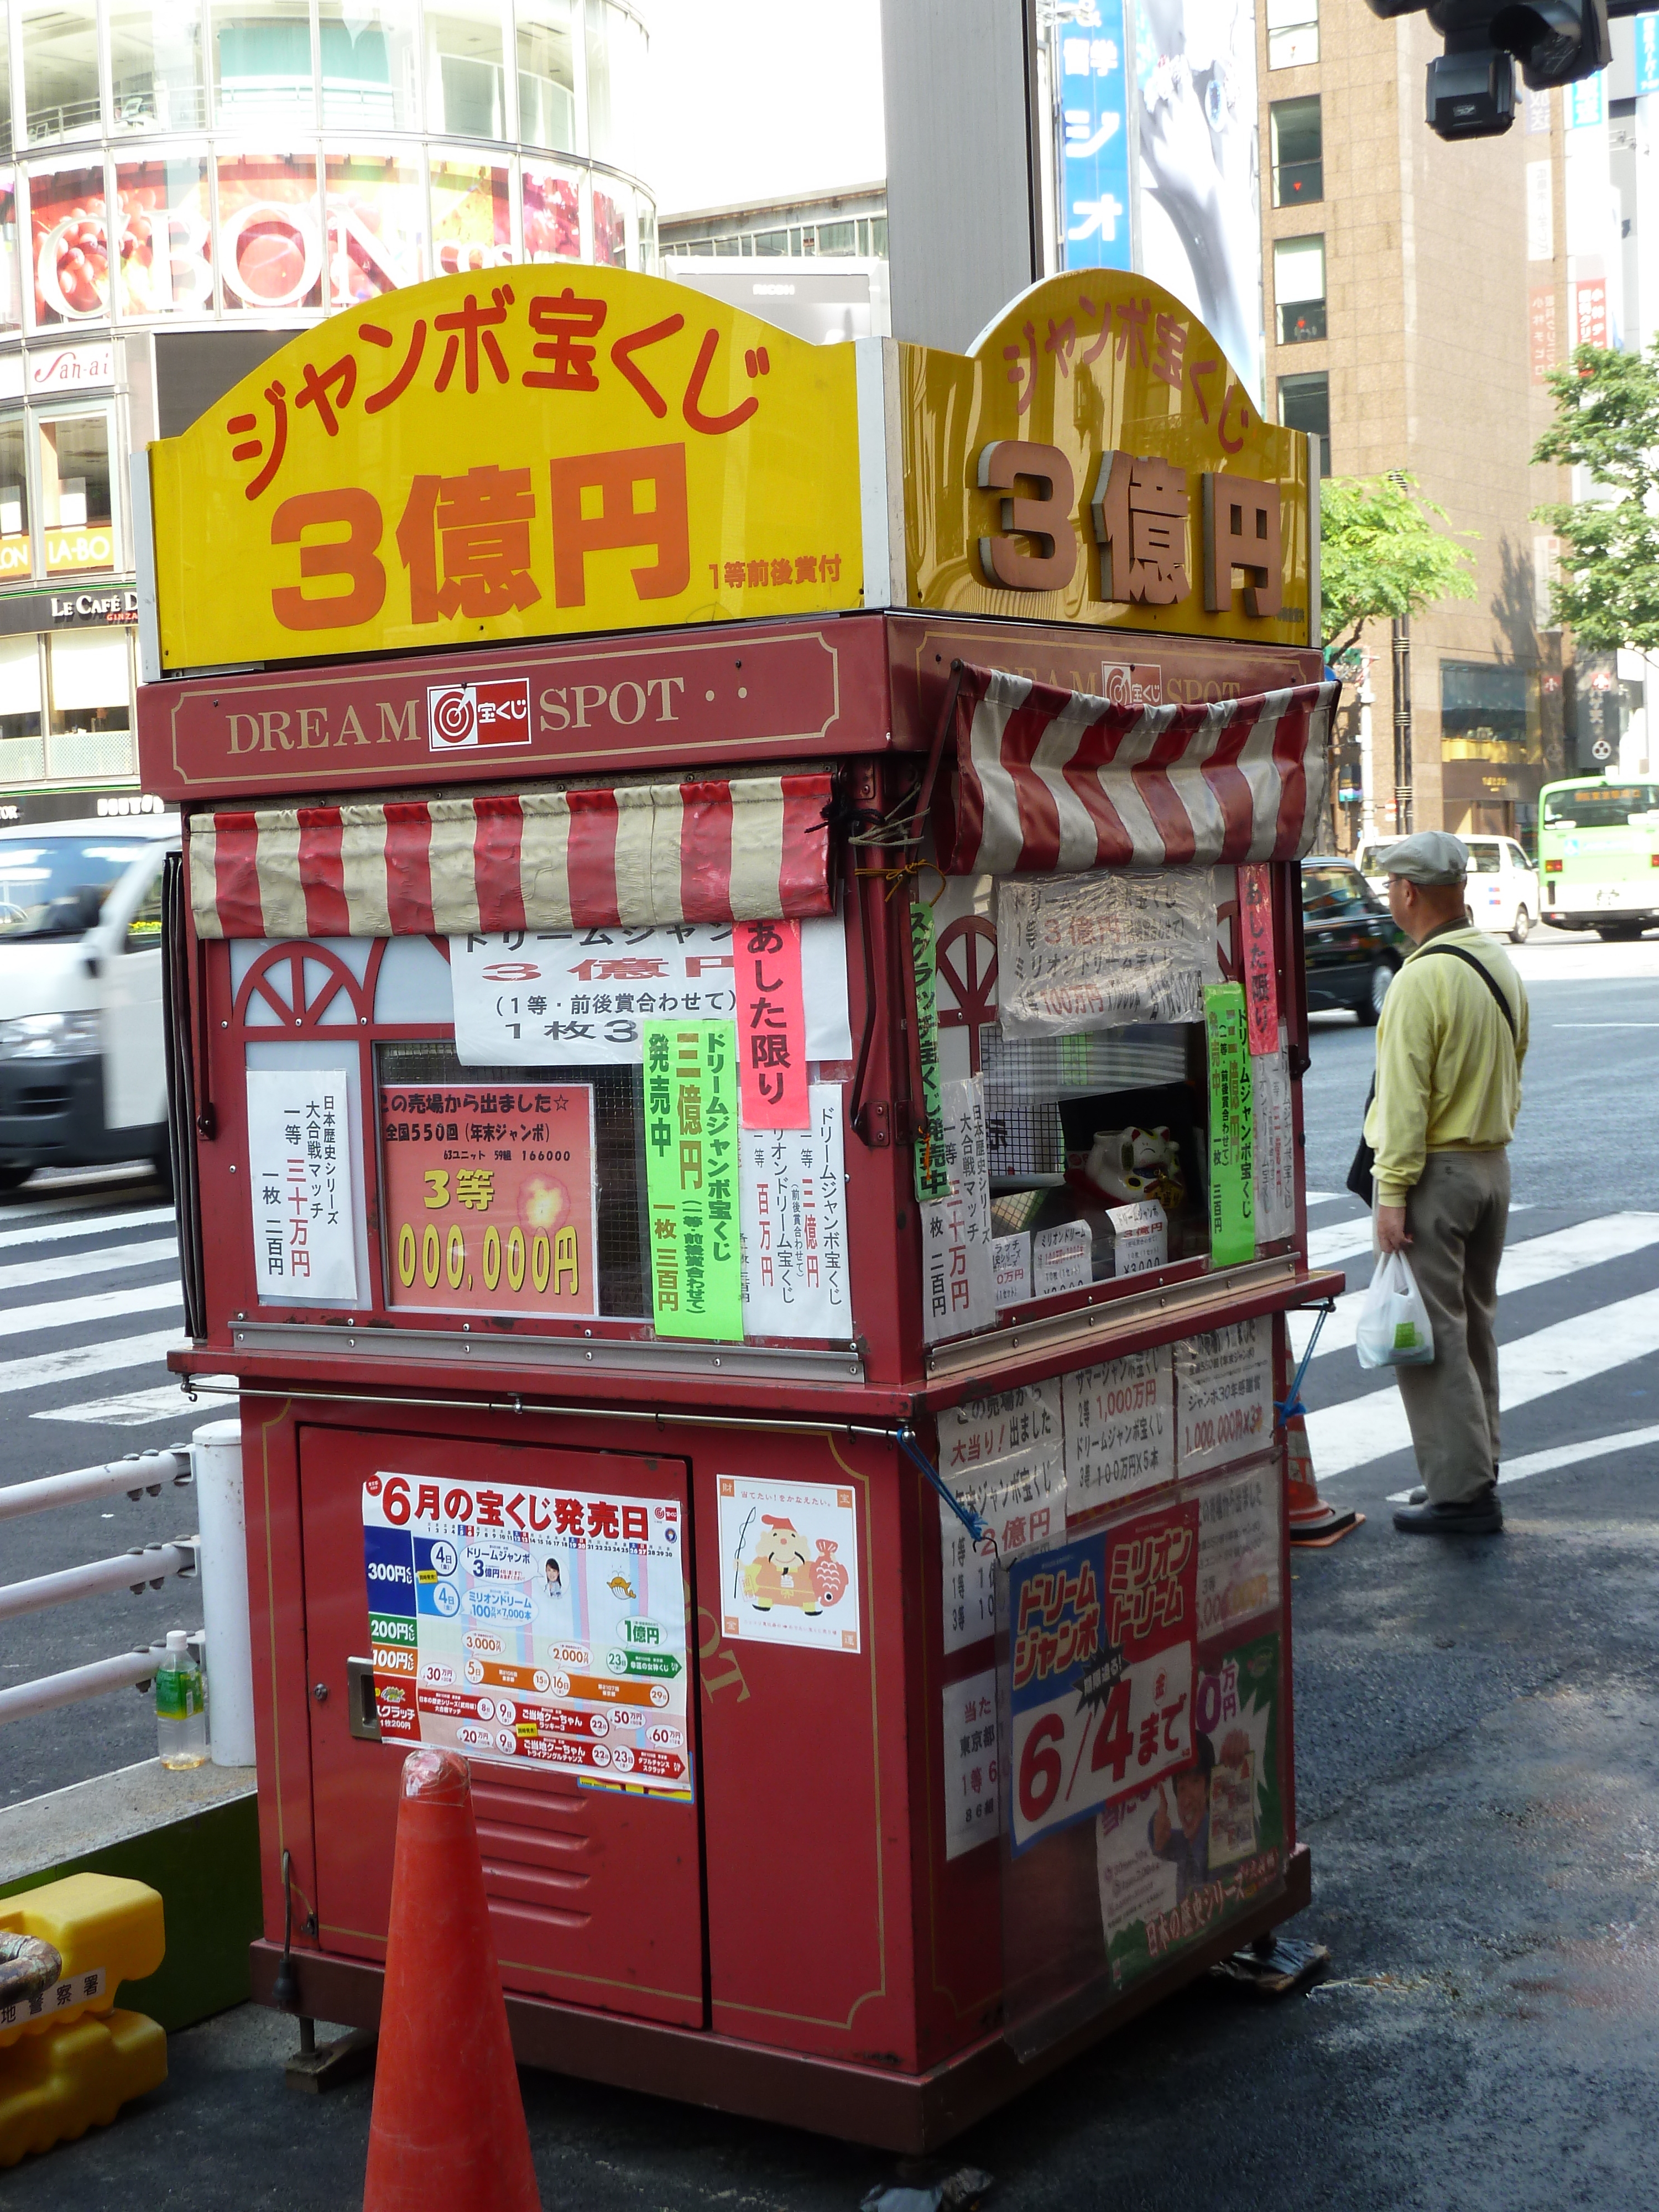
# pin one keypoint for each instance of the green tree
(1381, 553)
(1607, 421)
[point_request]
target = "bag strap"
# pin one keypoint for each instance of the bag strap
(1457, 952)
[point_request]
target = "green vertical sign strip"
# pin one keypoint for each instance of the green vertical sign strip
(932, 1177)
(1232, 1161)
(691, 1178)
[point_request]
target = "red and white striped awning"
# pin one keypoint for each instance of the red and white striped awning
(750, 849)
(1050, 782)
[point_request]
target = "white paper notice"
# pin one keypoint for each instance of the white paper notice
(1120, 1426)
(1096, 951)
(1010, 1262)
(1062, 1258)
(1141, 1237)
(578, 997)
(1026, 1419)
(789, 1562)
(959, 1285)
(1275, 1143)
(794, 1214)
(301, 1184)
(1237, 1548)
(971, 1798)
(1021, 1499)
(1224, 1395)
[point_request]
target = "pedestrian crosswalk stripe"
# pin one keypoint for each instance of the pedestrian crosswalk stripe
(1525, 1265)
(136, 1409)
(85, 1225)
(1362, 1430)
(36, 1371)
(69, 1266)
(1336, 1241)
(1559, 1456)
(74, 1313)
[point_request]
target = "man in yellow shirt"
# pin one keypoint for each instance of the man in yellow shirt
(1448, 1052)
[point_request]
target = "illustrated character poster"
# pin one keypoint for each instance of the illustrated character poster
(789, 1563)
(1180, 1858)
(531, 1624)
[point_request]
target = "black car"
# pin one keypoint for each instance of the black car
(1352, 945)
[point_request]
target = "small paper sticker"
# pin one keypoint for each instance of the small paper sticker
(74, 1990)
(1062, 1258)
(1011, 1262)
(789, 1563)
(1142, 1235)
(972, 1800)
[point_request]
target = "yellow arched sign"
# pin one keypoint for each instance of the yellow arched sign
(537, 453)
(525, 453)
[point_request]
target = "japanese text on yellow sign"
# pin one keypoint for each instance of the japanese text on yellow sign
(556, 452)
(1097, 459)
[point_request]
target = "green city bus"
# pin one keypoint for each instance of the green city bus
(1598, 854)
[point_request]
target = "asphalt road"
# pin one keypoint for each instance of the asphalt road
(1477, 1751)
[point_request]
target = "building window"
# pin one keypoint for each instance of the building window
(369, 53)
(1489, 711)
(262, 65)
(22, 748)
(772, 241)
(1305, 404)
(89, 686)
(77, 521)
(60, 69)
(547, 76)
(1293, 33)
(465, 73)
(1299, 289)
(15, 561)
(156, 67)
(1298, 151)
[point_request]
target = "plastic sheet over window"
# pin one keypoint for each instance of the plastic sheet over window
(1097, 952)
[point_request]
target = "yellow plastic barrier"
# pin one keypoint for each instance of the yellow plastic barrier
(69, 2059)
(54, 2087)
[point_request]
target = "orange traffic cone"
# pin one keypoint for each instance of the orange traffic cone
(1312, 1520)
(447, 2133)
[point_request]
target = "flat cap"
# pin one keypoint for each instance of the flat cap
(1428, 856)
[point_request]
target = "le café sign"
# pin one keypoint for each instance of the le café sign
(540, 452)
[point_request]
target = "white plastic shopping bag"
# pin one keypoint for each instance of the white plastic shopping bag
(1393, 1322)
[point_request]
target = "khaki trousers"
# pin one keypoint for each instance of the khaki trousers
(1456, 1217)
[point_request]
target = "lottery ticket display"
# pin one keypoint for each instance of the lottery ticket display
(534, 1625)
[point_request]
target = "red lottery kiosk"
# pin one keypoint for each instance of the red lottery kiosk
(736, 1029)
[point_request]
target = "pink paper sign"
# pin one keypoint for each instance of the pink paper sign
(771, 1026)
(1255, 931)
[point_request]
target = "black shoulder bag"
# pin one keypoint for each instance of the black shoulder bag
(1360, 1180)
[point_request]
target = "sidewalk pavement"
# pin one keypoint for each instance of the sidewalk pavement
(1478, 1752)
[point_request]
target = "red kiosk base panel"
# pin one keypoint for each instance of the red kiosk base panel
(907, 2113)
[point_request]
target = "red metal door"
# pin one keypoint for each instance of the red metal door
(595, 1894)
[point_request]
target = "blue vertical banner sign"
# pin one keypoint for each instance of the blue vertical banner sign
(1094, 135)
(1647, 54)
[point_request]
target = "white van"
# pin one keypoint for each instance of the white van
(82, 1058)
(1502, 883)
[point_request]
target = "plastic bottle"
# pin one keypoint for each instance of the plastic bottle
(181, 1707)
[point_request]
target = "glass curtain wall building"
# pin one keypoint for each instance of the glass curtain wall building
(182, 184)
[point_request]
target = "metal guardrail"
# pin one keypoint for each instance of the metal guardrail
(146, 1567)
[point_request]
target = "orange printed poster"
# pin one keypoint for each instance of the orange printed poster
(490, 1199)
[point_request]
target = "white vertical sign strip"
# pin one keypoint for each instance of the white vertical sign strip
(1275, 1143)
(958, 1285)
(301, 1184)
(971, 1797)
(794, 1202)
